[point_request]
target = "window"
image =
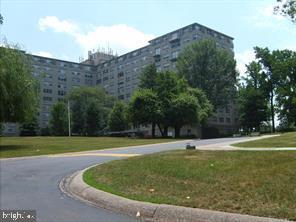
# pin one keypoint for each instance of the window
(175, 44)
(62, 93)
(174, 36)
(121, 97)
(214, 119)
(62, 78)
(228, 120)
(46, 98)
(221, 119)
(157, 51)
(120, 74)
(75, 80)
(62, 86)
(75, 73)
(47, 90)
(105, 78)
(99, 81)
(47, 83)
(48, 76)
(175, 55)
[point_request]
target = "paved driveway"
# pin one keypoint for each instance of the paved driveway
(32, 183)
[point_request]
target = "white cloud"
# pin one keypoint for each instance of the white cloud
(264, 17)
(243, 59)
(57, 25)
(120, 38)
(44, 54)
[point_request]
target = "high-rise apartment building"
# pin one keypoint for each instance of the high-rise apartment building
(119, 75)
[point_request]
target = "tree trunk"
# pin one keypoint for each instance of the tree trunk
(165, 131)
(162, 134)
(177, 131)
(153, 130)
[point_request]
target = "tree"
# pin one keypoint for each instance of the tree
(144, 108)
(211, 69)
(252, 98)
(29, 127)
(1, 19)
(252, 107)
(89, 107)
(18, 88)
(59, 119)
(171, 102)
(117, 120)
(94, 121)
(168, 86)
(269, 78)
(287, 8)
(284, 68)
(148, 77)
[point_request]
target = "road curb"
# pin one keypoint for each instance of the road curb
(75, 187)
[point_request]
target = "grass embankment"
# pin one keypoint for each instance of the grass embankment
(255, 183)
(284, 140)
(31, 146)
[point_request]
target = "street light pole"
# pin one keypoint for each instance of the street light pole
(69, 119)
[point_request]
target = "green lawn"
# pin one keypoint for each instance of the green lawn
(31, 146)
(255, 183)
(284, 140)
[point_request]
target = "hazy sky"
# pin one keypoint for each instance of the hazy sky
(67, 29)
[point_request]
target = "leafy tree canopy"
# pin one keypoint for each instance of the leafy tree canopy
(210, 68)
(18, 88)
(170, 102)
(287, 8)
(118, 120)
(59, 119)
(1, 19)
(90, 107)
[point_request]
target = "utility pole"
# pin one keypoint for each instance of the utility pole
(69, 119)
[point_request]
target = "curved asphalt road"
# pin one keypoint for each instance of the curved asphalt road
(32, 183)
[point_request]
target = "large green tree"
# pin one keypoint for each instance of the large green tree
(169, 103)
(272, 78)
(94, 117)
(29, 127)
(58, 122)
(188, 108)
(269, 79)
(208, 67)
(90, 107)
(287, 8)
(118, 120)
(145, 108)
(148, 77)
(285, 70)
(18, 88)
(252, 98)
(252, 108)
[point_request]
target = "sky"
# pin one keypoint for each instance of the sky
(67, 29)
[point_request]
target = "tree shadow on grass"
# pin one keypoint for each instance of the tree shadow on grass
(12, 147)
